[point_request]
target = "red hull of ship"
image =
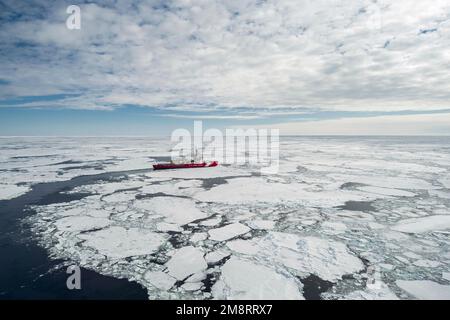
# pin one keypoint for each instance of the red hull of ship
(162, 166)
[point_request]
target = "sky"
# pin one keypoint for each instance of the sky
(352, 67)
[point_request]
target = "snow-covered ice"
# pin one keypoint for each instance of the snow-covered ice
(216, 256)
(445, 182)
(117, 242)
(380, 291)
(185, 262)
(9, 191)
(246, 280)
(327, 259)
(81, 223)
(160, 280)
(336, 207)
(425, 224)
(175, 210)
(262, 224)
(427, 263)
(425, 289)
(227, 232)
(387, 191)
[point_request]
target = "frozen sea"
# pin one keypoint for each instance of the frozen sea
(344, 218)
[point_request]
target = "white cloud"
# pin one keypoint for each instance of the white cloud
(359, 55)
(429, 124)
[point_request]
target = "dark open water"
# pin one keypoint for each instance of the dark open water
(24, 266)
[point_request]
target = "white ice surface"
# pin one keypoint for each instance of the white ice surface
(196, 237)
(81, 223)
(160, 280)
(243, 246)
(117, 242)
(334, 227)
(185, 262)
(164, 227)
(427, 263)
(10, 191)
(425, 289)
(386, 182)
(243, 279)
(175, 210)
(216, 256)
(202, 173)
(379, 291)
(227, 232)
(387, 191)
(445, 182)
(192, 286)
(315, 177)
(261, 224)
(244, 190)
(425, 224)
(329, 260)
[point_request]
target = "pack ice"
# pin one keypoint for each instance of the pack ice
(338, 211)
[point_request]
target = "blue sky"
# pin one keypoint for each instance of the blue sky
(148, 67)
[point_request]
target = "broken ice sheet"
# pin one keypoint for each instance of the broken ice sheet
(160, 280)
(117, 242)
(425, 289)
(404, 232)
(81, 223)
(377, 291)
(227, 232)
(261, 224)
(387, 191)
(256, 189)
(174, 210)
(243, 279)
(425, 224)
(329, 260)
(9, 191)
(185, 262)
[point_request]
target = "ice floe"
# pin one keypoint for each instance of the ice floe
(378, 291)
(245, 190)
(196, 237)
(9, 191)
(386, 182)
(425, 224)
(81, 223)
(185, 262)
(425, 289)
(227, 232)
(117, 242)
(445, 182)
(215, 256)
(164, 227)
(244, 246)
(329, 260)
(203, 173)
(173, 209)
(334, 227)
(160, 280)
(335, 206)
(446, 275)
(427, 263)
(387, 191)
(242, 279)
(261, 224)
